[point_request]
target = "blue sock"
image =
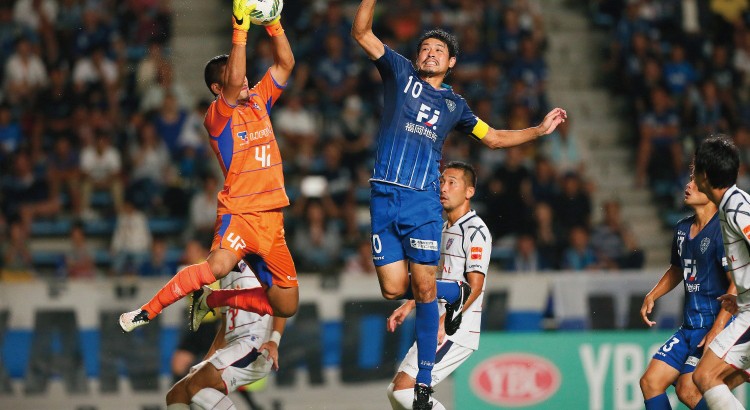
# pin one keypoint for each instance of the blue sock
(427, 328)
(448, 290)
(660, 402)
(701, 405)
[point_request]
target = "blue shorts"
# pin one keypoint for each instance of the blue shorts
(681, 350)
(406, 224)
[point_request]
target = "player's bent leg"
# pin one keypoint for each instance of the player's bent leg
(394, 279)
(284, 301)
(711, 371)
(178, 395)
(657, 378)
(687, 391)
(207, 376)
(212, 399)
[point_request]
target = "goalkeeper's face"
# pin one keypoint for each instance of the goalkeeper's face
(433, 58)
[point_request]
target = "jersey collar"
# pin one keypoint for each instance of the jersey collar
(465, 217)
(726, 196)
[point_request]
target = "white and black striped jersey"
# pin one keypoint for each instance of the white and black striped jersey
(241, 323)
(466, 247)
(734, 216)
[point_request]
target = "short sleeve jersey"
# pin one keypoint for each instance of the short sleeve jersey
(244, 143)
(466, 247)
(241, 323)
(734, 214)
(416, 121)
(704, 279)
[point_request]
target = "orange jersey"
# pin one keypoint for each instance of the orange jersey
(244, 143)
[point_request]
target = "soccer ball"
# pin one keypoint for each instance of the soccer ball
(265, 10)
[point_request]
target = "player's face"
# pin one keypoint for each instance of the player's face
(433, 58)
(694, 197)
(453, 189)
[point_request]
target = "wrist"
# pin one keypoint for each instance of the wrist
(274, 28)
(239, 37)
(275, 337)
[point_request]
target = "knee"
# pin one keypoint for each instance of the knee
(701, 379)
(400, 399)
(649, 386)
(389, 294)
(285, 311)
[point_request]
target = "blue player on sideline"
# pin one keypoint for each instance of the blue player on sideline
(406, 215)
(697, 257)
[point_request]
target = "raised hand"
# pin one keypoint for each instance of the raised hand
(552, 120)
(241, 10)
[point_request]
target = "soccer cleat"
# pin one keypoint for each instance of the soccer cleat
(453, 310)
(422, 397)
(199, 308)
(131, 320)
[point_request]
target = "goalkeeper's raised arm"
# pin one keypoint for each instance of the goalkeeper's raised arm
(283, 59)
(362, 30)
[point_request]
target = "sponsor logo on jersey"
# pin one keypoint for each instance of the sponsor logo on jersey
(449, 243)
(423, 244)
(693, 287)
(746, 231)
(691, 361)
(476, 252)
(515, 380)
(704, 244)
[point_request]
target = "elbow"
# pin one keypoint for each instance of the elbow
(289, 63)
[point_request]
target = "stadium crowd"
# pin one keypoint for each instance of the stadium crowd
(684, 70)
(106, 170)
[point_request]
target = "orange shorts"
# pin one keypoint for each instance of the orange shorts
(258, 234)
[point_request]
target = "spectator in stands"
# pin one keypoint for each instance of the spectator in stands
(25, 194)
(360, 262)
(79, 259)
(547, 234)
(526, 258)
(513, 178)
(203, 209)
(101, 165)
(10, 31)
(96, 71)
(147, 73)
(614, 243)
(659, 140)
(131, 240)
(679, 74)
(64, 172)
(10, 132)
(356, 129)
(544, 186)
(150, 161)
(154, 98)
(25, 74)
(579, 255)
(573, 205)
(194, 135)
(55, 103)
(336, 74)
(16, 250)
(297, 125)
(158, 263)
(565, 150)
(317, 240)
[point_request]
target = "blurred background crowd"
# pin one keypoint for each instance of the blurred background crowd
(106, 169)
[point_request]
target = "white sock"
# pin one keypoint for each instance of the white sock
(400, 399)
(720, 398)
(212, 399)
(178, 406)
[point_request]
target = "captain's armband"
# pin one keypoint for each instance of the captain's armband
(480, 129)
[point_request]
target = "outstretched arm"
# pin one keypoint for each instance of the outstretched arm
(362, 30)
(235, 71)
(671, 278)
(283, 59)
(510, 138)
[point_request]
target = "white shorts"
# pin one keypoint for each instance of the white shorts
(733, 343)
(240, 363)
(449, 356)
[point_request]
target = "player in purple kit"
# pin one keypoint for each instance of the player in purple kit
(697, 254)
(419, 112)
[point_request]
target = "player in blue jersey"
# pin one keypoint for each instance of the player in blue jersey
(697, 256)
(406, 215)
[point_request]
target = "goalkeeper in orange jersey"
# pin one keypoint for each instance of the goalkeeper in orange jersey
(249, 223)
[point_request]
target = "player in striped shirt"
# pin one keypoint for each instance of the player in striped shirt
(419, 112)
(244, 351)
(465, 256)
(727, 359)
(697, 255)
(249, 216)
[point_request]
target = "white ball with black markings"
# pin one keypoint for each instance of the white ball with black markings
(265, 10)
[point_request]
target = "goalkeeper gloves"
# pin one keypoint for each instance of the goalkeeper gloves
(241, 14)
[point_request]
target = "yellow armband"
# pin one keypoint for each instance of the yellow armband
(481, 129)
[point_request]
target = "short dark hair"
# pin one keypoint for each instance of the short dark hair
(470, 175)
(719, 158)
(444, 36)
(212, 72)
